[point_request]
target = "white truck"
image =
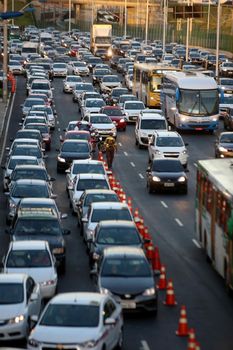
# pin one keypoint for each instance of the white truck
(101, 40)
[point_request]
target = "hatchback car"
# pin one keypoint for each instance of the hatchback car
(35, 259)
(125, 273)
(78, 321)
(71, 150)
(132, 109)
(166, 174)
(20, 298)
(224, 145)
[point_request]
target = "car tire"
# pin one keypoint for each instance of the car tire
(119, 345)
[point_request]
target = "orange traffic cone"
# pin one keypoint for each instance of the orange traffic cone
(129, 202)
(100, 155)
(150, 251)
(156, 263)
(198, 347)
(191, 340)
(183, 330)
(170, 295)
(136, 215)
(162, 279)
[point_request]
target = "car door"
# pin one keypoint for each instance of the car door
(111, 331)
(33, 302)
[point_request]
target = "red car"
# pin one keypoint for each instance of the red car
(117, 116)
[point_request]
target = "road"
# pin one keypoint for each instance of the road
(170, 219)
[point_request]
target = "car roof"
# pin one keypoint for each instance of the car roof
(109, 205)
(40, 200)
(31, 182)
(22, 140)
(87, 161)
(226, 133)
(124, 251)
(75, 141)
(30, 167)
(164, 133)
(12, 277)
(23, 157)
(29, 245)
(78, 298)
(92, 176)
(99, 191)
(117, 223)
(152, 116)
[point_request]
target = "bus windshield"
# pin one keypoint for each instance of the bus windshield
(155, 83)
(198, 102)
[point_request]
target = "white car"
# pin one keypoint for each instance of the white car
(60, 69)
(80, 68)
(70, 82)
(20, 298)
(50, 114)
(92, 105)
(15, 67)
(168, 144)
(132, 109)
(129, 81)
(35, 259)
(86, 182)
(109, 82)
(103, 123)
(83, 166)
(79, 321)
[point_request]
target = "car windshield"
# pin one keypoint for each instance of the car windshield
(84, 87)
(98, 197)
(95, 103)
(111, 79)
(28, 135)
(11, 293)
(38, 174)
(89, 184)
(78, 136)
(125, 267)
(110, 214)
(31, 102)
(73, 79)
(198, 102)
(134, 105)
(153, 124)
(113, 112)
(79, 64)
(60, 65)
(227, 64)
(226, 82)
(27, 190)
(44, 129)
(71, 315)
(118, 236)
(40, 86)
(13, 162)
(27, 151)
(88, 169)
(94, 60)
(37, 226)
(168, 166)
(226, 138)
(28, 259)
(118, 92)
(75, 147)
(100, 119)
(169, 142)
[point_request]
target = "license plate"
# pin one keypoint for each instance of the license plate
(228, 91)
(128, 304)
(168, 184)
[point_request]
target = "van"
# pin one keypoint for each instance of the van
(146, 124)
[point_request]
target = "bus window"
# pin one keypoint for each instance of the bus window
(155, 83)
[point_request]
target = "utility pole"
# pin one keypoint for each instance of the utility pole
(5, 47)
(217, 38)
(125, 23)
(147, 21)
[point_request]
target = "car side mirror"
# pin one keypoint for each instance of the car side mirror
(186, 170)
(93, 272)
(110, 321)
(52, 179)
(84, 219)
(186, 144)
(53, 196)
(33, 321)
(66, 232)
(67, 171)
(148, 170)
(64, 216)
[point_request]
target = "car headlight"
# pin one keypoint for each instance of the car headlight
(33, 342)
(181, 179)
(156, 178)
(89, 344)
(96, 256)
(222, 149)
(60, 159)
(12, 205)
(184, 151)
(158, 152)
(122, 120)
(104, 291)
(58, 250)
(16, 319)
(90, 233)
(149, 291)
(113, 129)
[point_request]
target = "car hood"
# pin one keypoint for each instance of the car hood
(38, 274)
(10, 311)
(75, 155)
(103, 126)
(133, 111)
(149, 131)
(226, 145)
(111, 83)
(126, 285)
(70, 83)
(54, 241)
(171, 149)
(169, 175)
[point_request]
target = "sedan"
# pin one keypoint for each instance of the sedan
(116, 115)
(79, 321)
(166, 174)
(228, 117)
(60, 69)
(125, 273)
(20, 298)
(102, 123)
(109, 82)
(15, 67)
(35, 259)
(224, 145)
(71, 150)
(70, 82)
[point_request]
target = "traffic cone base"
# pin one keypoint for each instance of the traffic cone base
(183, 330)
(170, 295)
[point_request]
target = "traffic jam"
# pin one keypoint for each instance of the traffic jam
(120, 89)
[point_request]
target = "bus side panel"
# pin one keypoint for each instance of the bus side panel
(220, 251)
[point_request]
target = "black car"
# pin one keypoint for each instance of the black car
(98, 75)
(126, 273)
(70, 150)
(167, 174)
(41, 225)
(224, 145)
(113, 233)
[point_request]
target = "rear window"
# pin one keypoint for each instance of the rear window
(91, 198)
(153, 124)
(88, 169)
(88, 184)
(110, 214)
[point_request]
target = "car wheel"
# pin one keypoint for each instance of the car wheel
(120, 341)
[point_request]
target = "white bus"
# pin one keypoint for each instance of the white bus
(190, 101)
(29, 48)
(214, 214)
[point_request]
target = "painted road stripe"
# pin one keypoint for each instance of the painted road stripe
(196, 243)
(133, 165)
(179, 222)
(120, 144)
(195, 164)
(59, 130)
(164, 204)
(141, 176)
(145, 346)
(126, 154)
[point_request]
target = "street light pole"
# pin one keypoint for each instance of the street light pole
(5, 45)
(69, 28)
(13, 9)
(125, 23)
(164, 23)
(147, 21)
(217, 38)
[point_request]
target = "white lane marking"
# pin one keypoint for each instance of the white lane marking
(57, 122)
(164, 204)
(195, 164)
(133, 165)
(126, 154)
(179, 222)
(141, 176)
(120, 144)
(196, 243)
(58, 129)
(145, 345)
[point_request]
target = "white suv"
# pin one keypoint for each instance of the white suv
(168, 144)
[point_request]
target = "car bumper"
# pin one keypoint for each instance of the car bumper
(48, 291)
(183, 159)
(139, 303)
(15, 331)
(67, 89)
(226, 154)
(168, 186)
